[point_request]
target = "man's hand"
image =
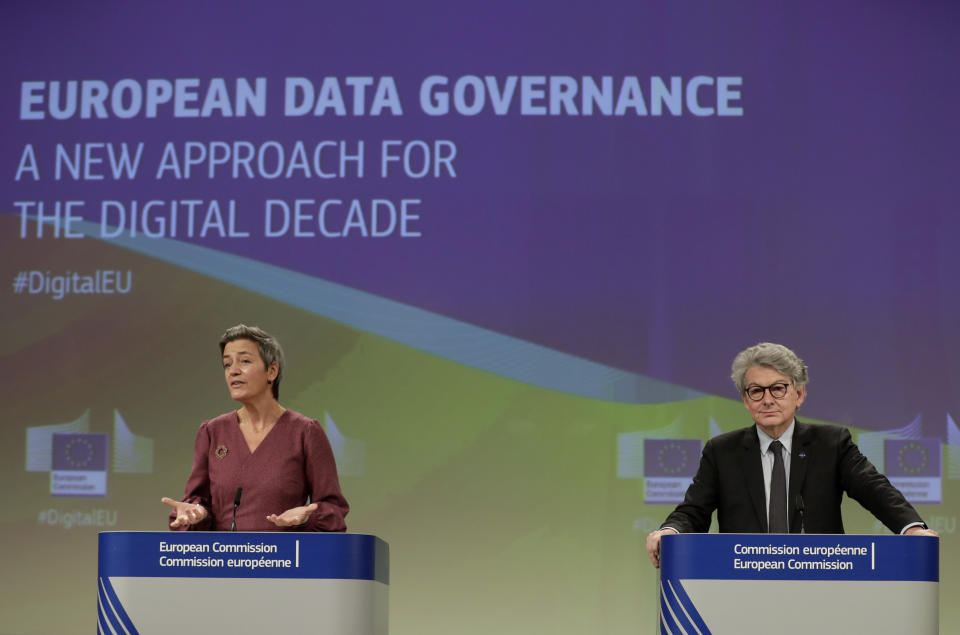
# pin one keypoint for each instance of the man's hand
(916, 530)
(293, 517)
(653, 545)
(187, 513)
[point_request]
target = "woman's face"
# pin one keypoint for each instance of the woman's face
(244, 370)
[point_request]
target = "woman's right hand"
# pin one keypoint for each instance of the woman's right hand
(187, 513)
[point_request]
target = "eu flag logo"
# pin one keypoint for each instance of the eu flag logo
(915, 467)
(912, 457)
(80, 452)
(79, 465)
(670, 457)
(669, 466)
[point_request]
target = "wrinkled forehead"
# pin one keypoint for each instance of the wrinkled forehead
(764, 376)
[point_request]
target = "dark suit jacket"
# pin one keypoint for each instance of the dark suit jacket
(824, 463)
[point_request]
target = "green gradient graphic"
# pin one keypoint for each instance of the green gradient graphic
(501, 500)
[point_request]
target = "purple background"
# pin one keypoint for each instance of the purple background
(825, 218)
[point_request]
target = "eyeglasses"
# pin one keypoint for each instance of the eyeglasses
(777, 391)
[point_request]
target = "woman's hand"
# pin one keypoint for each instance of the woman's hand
(187, 513)
(293, 517)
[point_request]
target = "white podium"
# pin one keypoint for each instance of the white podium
(798, 584)
(217, 582)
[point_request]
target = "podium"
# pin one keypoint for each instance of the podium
(790, 584)
(217, 582)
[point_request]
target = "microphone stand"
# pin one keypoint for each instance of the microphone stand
(236, 504)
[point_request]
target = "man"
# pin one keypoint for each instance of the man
(781, 475)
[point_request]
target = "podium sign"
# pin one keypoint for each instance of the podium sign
(162, 582)
(798, 584)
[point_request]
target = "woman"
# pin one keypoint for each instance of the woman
(280, 459)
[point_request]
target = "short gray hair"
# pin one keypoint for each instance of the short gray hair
(270, 350)
(776, 356)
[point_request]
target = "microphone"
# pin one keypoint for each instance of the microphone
(800, 509)
(236, 503)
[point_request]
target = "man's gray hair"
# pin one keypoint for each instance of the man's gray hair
(268, 345)
(776, 356)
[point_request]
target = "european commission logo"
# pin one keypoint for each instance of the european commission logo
(915, 467)
(78, 460)
(669, 468)
(79, 465)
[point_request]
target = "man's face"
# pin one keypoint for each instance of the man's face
(773, 415)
